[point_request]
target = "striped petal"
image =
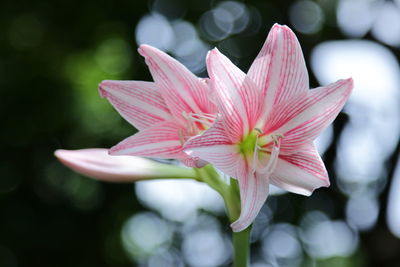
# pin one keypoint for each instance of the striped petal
(238, 100)
(254, 189)
(98, 164)
(279, 69)
(303, 118)
(159, 141)
(215, 146)
(181, 89)
(224, 157)
(302, 172)
(137, 102)
(215, 135)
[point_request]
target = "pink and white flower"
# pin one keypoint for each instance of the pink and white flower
(167, 112)
(267, 123)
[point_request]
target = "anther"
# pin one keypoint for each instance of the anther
(181, 137)
(258, 130)
(276, 138)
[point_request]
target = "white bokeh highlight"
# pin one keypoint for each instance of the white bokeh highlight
(380, 17)
(323, 238)
(143, 233)
(374, 127)
(178, 200)
(355, 17)
(155, 30)
(281, 246)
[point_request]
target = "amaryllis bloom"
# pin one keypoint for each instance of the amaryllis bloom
(268, 121)
(98, 164)
(167, 112)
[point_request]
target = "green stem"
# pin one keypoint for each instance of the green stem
(156, 170)
(232, 200)
(231, 195)
(241, 248)
(241, 240)
(208, 175)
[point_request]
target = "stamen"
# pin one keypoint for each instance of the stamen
(204, 118)
(181, 137)
(201, 121)
(255, 155)
(192, 128)
(258, 130)
(273, 159)
(276, 138)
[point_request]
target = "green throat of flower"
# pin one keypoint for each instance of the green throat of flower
(261, 151)
(248, 145)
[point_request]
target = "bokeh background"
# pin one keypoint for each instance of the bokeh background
(53, 54)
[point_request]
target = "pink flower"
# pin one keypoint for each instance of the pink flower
(268, 121)
(167, 112)
(98, 164)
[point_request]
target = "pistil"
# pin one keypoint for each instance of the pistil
(251, 147)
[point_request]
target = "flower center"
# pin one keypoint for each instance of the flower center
(195, 124)
(262, 151)
(246, 147)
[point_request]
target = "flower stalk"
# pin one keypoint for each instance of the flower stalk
(240, 240)
(231, 195)
(241, 248)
